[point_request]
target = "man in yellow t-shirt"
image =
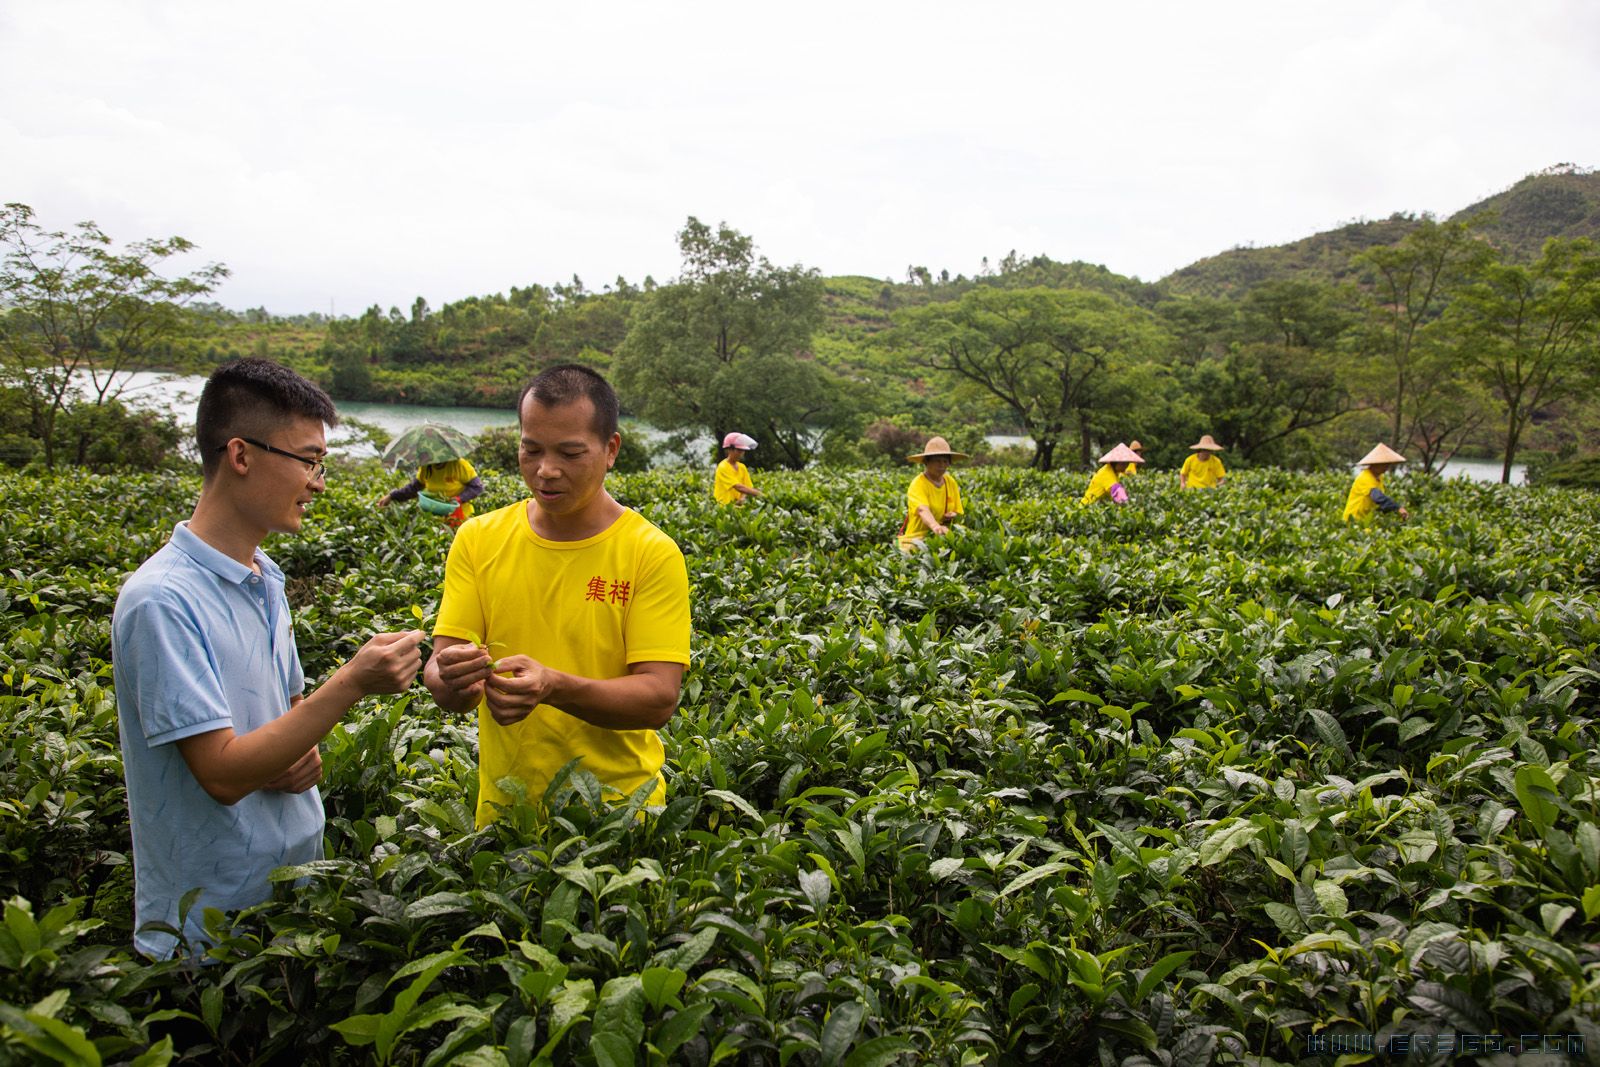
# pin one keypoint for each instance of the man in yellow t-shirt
(582, 603)
(1367, 497)
(733, 483)
(1202, 470)
(933, 498)
(1107, 481)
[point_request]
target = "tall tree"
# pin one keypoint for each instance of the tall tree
(1407, 285)
(1261, 394)
(76, 311)
(1450, 408)
(727, 347)
(1047, 355)
(1262, 371)
(1533, 333)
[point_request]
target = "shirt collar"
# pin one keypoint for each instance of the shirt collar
(217, 562)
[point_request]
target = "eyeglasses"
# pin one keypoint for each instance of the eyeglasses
(315, 467)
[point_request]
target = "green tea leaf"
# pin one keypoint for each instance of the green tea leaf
(839, 1031)
(1226, 836)
(1536, 792)
(1027, 878)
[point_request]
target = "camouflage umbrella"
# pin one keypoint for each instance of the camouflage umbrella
(429, 442)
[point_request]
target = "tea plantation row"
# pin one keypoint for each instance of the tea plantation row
(1203, 779)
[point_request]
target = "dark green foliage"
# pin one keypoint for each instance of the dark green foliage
(1178, 782)
(724, 348)
(1573, 473)
(497, 450)
(101, 436)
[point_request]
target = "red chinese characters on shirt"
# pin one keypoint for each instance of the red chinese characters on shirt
(601, 591)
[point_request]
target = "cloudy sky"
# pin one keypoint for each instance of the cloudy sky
(341, 155)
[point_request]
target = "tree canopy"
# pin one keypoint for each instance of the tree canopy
(726, 346)
(1532, 332)
(1049, 356)
(79, 315)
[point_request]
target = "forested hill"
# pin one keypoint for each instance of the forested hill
(1563, 201)
(477, 351)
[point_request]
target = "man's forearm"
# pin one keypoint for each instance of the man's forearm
(632, 702)
(230, 766)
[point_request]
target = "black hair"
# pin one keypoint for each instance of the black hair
(251, 398)
(567, 383)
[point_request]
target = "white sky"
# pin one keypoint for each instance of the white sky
(345, 154)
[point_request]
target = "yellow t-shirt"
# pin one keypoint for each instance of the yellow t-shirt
(1202, 471)
(728, 476)
(444, 480)
(941, 500)
(589, 608)
(1100, 485)
(1359, 505)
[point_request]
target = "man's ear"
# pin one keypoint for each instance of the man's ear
(236, 457)
(613, 447)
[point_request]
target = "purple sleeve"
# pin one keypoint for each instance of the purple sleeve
(1383, 502)
(406, 492)
(471, 491)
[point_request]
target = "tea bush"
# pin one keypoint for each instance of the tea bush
(1191, 781)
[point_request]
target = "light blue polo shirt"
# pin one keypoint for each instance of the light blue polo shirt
(200, 642)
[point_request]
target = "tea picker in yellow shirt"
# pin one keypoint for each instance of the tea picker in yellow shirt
(733, 483)
(934, 498)
(1367, 497)
(1107, 481)
(445, 483)
(585, 602)
(1202, 470)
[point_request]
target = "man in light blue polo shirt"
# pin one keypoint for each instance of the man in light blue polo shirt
(219, 746)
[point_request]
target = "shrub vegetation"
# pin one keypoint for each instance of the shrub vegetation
(1184, 782)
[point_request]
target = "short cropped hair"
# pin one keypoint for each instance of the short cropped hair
(567, 383)
(252, 398)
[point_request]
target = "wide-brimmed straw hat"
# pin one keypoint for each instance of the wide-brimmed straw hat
(1122, 454)
(1382, 454)
(1206, 444)
(1135, 444)
(936, 446)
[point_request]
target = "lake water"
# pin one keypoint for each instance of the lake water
(178, 394)
(1483, 470)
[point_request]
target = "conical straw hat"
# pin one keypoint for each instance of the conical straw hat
(1122, 454)
(1382, 454)
(936, 446)
(1205, 444)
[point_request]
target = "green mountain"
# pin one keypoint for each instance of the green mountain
(1563, 201)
